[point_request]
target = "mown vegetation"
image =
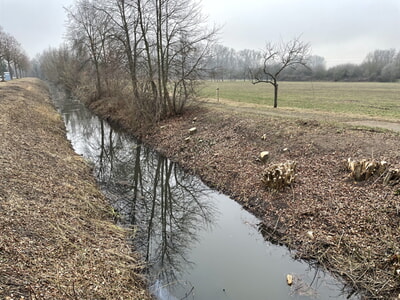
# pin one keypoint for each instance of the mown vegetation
(371, 99)
(58, 238)
(348, 227)
(146, 59)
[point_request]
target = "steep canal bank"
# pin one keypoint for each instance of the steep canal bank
(58, 244)
(348, 227)
(57, 235)
(198, 243)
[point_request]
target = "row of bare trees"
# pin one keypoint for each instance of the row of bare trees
(378, 65)
(151, 51)
(12, 57)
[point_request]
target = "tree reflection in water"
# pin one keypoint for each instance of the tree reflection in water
(169, 211)
(166, 205)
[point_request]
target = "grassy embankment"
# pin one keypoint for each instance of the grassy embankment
(371, 99)
(57, 235)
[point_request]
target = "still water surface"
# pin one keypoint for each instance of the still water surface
(198, 243)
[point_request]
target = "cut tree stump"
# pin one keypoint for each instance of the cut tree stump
(278, 176)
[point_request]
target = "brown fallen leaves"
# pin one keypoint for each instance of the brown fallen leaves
(355, 225)
(57, 237)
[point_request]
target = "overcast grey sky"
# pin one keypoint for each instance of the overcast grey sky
(36, 24)
(340, 30)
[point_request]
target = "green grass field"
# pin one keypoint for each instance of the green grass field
(361, 98)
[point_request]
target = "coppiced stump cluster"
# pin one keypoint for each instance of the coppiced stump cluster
(278, 176)
(364, 169)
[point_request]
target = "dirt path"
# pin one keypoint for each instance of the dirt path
(290, 113)
(57, 235)
(377, 124)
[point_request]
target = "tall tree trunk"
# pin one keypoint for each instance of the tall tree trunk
(16, 70)
(10, 70)
(147, 50)
(131, 54)
(106, 78)
(160, 54)
(166, 60)
(98, 80)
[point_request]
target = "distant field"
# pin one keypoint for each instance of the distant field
(365, 98)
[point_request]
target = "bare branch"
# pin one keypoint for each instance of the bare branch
(278, 57)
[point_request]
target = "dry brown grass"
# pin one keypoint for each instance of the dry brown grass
(58, 240)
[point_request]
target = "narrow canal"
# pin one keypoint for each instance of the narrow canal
(198, 243)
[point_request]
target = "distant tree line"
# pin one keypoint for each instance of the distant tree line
(12, 57)
(150, 53)
(379, 65)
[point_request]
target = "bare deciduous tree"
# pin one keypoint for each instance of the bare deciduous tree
(375, 62)
(152, 52)
(278, 57)
(61, 67)
(182, 43)
(88, 29)
(10, 44)
(3, 67)
(12, 56)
